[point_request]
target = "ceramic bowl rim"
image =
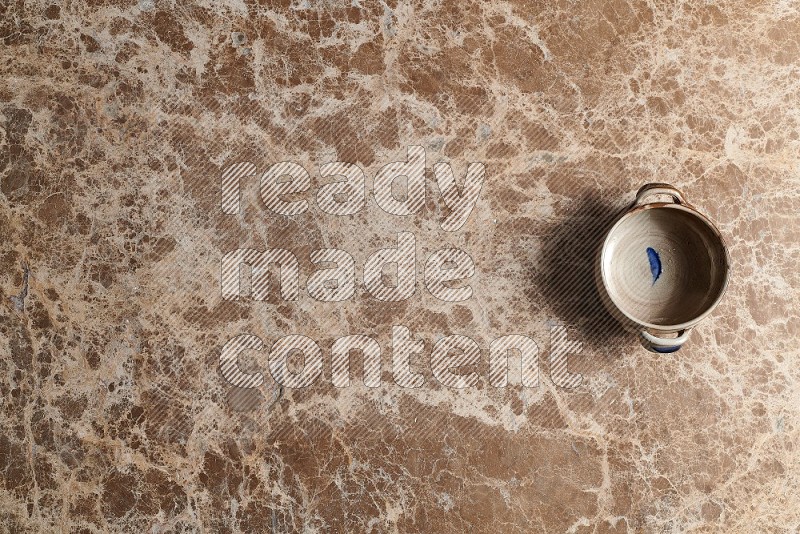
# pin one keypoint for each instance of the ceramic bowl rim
(714, 232)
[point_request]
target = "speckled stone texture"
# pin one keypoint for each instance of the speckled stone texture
(117, 120)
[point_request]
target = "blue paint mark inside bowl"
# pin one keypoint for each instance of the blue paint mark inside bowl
(655, 263)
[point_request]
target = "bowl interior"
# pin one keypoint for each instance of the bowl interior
(664, 266)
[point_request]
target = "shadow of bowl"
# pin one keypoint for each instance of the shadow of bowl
(564, 276)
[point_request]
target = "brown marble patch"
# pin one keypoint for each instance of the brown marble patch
(116, 122)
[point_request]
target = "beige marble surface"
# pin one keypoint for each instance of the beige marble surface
(117, 120)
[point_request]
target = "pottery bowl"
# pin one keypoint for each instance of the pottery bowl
(663, 267)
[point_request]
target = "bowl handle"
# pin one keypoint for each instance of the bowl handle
(649, 190)
(664, 344)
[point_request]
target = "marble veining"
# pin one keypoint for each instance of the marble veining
(117, 123)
